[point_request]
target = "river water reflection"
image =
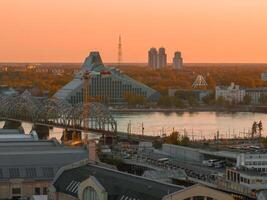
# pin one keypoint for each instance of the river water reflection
(196, 124)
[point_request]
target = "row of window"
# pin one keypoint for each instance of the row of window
(29, 172)
(16, 191)
(244, 180)
(236, 177)
(233, 176)
(260, 169)
(256, 156)
(106, 87)
(256, 163)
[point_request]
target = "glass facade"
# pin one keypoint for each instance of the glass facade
(110, 85)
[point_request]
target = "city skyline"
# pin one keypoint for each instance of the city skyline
(133, 99)
(65, 31)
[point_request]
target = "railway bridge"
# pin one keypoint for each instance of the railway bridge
(45, 113)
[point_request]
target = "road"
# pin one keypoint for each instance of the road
(195, 171)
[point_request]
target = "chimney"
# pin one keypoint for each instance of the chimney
(91, 150)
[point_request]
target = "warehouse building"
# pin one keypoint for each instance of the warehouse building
(28, 166)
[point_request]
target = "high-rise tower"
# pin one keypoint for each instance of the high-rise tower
(177, 60)
(153, 58)
(119, 51)
(162, 58)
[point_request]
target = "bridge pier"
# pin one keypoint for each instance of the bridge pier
(108, 139)
(71, 135)
(12, 124)
(42, 131)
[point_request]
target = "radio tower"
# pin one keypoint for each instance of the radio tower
(119, 51)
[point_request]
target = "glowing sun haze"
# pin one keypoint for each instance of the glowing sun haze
(66, 30)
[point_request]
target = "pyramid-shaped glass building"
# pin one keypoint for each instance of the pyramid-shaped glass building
(110, 89)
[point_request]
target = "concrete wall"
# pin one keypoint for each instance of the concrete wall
(182, 153)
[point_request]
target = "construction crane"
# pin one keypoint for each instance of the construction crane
(86, 97)
(75, 139)
(86, 78)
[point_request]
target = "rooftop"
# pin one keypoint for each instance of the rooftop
(9, 135)
(117, 184)
(36, 159)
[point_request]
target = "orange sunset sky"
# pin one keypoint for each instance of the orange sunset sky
(66, 30)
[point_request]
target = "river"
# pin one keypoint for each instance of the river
(196, 124)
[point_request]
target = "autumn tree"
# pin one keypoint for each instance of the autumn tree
(260, 127)
(173, 138)
(134, 100)
(254, 129)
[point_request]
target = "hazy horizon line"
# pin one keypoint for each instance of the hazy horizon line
(129, 63)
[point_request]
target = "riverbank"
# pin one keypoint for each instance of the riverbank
(258, 109)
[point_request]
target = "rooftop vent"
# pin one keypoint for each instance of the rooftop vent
(73, 187)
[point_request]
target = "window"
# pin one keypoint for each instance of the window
(45, 191)
(31, 172)
(14, 172)
(37, 191)
(16, 191)
(198, 198)
(89, 193)
(48, 172)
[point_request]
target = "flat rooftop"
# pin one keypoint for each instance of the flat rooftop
(36, 159)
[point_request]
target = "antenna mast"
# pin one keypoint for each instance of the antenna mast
(119, 51)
